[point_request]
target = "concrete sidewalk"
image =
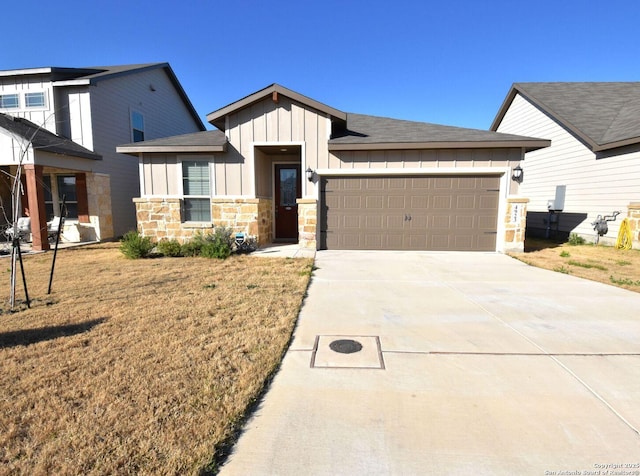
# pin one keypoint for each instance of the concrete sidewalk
(471, 363)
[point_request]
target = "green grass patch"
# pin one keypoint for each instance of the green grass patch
(624, 281)
(561, 269)
(587, 265)
(565, 254)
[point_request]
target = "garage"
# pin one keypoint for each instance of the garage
(434, 213)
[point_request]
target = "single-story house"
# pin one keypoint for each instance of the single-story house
(283, 167)
(592, 168)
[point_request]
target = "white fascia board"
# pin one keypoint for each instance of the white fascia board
(22, 72)
(417, 171)
(72, 82)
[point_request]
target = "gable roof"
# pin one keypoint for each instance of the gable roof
(91, 75)
(602, 115)
(217, 117)
(371, 132)
(208, 141)
(43, 139)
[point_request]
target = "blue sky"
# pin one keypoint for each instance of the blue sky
(443, 62)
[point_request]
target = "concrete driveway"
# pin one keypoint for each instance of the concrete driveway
(471, 363)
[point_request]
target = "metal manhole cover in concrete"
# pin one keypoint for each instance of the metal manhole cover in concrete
(345, 346)
(351, 352)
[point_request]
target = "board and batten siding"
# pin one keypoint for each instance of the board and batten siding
(268, 122)
(23, 84)
(112, 101)
(428, 159)
(595, 185)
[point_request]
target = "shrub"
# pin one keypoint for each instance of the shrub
(135, 246)
(575, 239)
(193, 247)
(212, 245)
(170, 248)
(218, 245)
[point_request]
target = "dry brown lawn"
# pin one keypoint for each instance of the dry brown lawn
(138, 367)
(605, 264)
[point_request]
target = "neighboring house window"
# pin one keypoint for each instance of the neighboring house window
(9, 101)
(65, 185)
(137, 126)
(34, 99)
(196, 191)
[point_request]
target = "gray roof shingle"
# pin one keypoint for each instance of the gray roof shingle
(207, 141)
(43, 139)
(604, 115)
(366, 130)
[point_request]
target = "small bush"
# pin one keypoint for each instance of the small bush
(193, 247)
(212, 245)
(575, 239)
(135, 246)
(565, 254)
(171, 248)
(218, 245)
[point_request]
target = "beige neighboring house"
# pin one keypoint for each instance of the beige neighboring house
(593, 161)
(283, 167)
(62, 125)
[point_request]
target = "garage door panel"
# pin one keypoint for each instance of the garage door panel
(441, 202)
(417, 212)
(464, 222)
(467, 202)
(374, 202)
(396, 202)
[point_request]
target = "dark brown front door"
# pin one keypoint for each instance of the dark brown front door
(287, 191)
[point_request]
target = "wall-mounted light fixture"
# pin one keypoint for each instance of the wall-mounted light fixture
(518, 174)
(310, 174)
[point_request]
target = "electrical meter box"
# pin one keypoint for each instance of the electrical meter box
(557, 204)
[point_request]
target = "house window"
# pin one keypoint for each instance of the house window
(34, 99)
(196, 191)
(137, 126)
(9, 101)
(63, 186)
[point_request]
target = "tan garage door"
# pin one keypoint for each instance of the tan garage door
(409, 213)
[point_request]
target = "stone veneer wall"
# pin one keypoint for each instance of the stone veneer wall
(244, 215)
(99, 198)
(515, 224)
(161, 218)
(633, 214)
(307, 222)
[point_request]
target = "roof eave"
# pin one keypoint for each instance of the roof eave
(217, 117)
(138, 149)
(615, 145)
(517, 89)
(528, 145)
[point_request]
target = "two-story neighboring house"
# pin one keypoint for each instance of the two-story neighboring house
(60, 126)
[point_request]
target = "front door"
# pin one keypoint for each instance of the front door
(288, 187)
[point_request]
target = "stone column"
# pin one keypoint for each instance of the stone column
(633, 214)
(515, 224)
(307, 222)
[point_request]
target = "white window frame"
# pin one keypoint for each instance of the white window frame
(14, 94)
(39, 106)
(209, 161)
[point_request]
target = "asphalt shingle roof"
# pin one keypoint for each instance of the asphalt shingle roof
(602, 114)
(363, 129)
(43, 139)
